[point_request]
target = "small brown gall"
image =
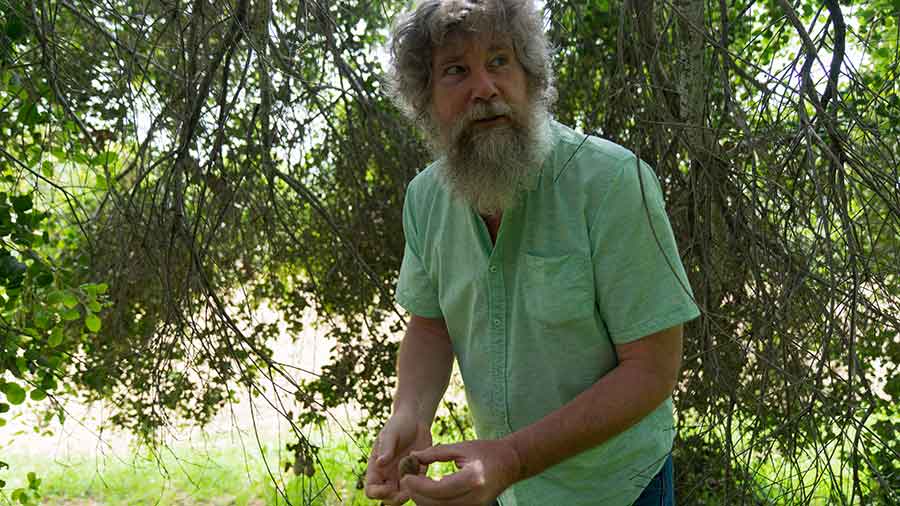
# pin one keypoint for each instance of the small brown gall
(409, 465)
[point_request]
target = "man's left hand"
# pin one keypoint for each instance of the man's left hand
(486, 468)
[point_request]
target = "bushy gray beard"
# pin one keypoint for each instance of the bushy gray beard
(488, 166)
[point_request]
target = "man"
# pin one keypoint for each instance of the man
(541, 260)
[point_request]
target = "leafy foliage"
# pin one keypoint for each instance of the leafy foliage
(206, 160)
(48, 308)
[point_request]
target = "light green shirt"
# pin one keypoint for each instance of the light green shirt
(576, 269)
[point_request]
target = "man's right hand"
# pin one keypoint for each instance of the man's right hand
(402, 434)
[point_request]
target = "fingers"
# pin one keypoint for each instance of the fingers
(385, 447)
(381, 483)
(377, 486)
(449, 487)
(388, 492)
(395, 498)
(375, 474)
(439, 453)
(466, 499)
(379, 491)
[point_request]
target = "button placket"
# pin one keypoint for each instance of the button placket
(498, 338)
(498, 325)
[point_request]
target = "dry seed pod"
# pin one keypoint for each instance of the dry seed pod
(409, 465)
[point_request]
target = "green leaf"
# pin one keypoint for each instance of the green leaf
(54, 297)
(69, 300)
(21, 203)
(105, 158)
(892, 387)
(71, 315)
(28, 114)
(44, 279)
(92, 322)
(4, 407)
(23, 235)
(31, 476)
(22, 365)
(53, 363)
(48, 382)
(38, 395)
(15, 27)
(14, 393)
(47, 169)
(95, 288)
(24, 223)
(34, 155)
(5, 219)
(56, 337)
(80, 157)
(41, 320)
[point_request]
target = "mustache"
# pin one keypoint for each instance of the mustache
(486, 110)
(480, 111)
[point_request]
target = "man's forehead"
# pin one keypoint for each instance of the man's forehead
(457, 43)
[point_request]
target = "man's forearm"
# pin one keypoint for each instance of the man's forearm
(615, 402)
(423, 368)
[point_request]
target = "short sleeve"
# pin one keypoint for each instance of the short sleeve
(640, 281)
(416, 291)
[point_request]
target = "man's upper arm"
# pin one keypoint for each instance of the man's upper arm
(641, 285)
(657, 354)
(434, 327)
(416, 291)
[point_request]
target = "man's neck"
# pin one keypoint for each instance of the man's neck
(493, 224)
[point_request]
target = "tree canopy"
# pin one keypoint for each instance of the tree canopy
(169, 167)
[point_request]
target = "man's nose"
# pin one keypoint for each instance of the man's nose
(483, 85)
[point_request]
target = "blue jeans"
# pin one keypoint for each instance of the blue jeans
(659, 492)
(661, 489)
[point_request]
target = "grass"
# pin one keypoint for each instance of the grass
(772, 472)
(227, 470)
(217, 473)
(223, 467)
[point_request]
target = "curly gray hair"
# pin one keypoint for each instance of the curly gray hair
(415, 34)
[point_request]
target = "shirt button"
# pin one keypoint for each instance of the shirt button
(497, 321)
(493, 268)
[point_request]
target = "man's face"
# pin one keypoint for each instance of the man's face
(484, 121)
(475, 71)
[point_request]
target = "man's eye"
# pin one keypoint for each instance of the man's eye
(454, 70)
(499, 61)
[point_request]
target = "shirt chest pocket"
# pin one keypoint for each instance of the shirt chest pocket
(558, 289)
